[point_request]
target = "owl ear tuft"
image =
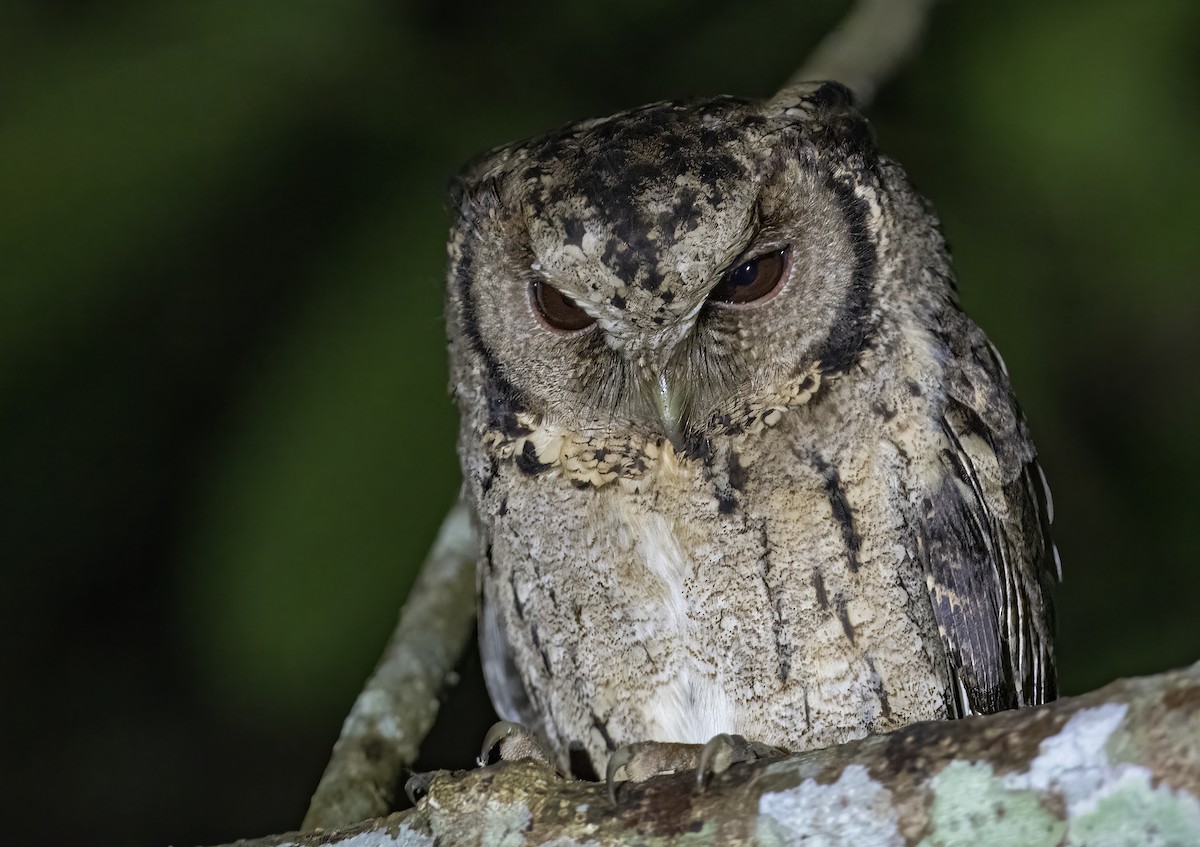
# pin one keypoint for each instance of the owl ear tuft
(480, 176)
(820, 96)
(829, 116)
(472, 200)
(834, 97)
(457, 189)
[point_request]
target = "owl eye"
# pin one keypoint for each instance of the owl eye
(557, 310)
(750, 281)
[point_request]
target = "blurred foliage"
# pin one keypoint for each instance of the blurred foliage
(224, 429)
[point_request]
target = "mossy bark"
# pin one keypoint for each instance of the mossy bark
(1118, 766)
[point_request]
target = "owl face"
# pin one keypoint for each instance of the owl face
(663, 272)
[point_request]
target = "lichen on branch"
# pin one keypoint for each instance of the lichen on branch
(1120, 765)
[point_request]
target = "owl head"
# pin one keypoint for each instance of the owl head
(672, 271)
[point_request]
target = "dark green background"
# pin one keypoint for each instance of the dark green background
(225, 437)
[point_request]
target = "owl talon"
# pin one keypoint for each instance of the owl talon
(715, 758)
(417, 785)
(621, 757)
(723, 750)
(645, 759)
(495, 734)
(515, 742)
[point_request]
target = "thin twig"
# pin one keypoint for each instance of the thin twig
(383, 732)
(868, 46)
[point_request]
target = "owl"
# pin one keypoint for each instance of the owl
(739, 462)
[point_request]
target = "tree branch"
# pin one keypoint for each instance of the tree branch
(1119, 765)
(383, 732)
(868, 46)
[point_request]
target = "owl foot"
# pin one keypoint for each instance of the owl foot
(723, 750)
(417, 785)
(645, 759)
(515, 742)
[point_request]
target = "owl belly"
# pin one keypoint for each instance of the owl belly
(797, 618)
(688, 703)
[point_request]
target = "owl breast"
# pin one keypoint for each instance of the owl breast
(782, 603)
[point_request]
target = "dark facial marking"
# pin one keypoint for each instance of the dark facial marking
(851, 332)
(462, 281)
(503, 400)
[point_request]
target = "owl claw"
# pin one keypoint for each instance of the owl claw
(716, 757)
(645, 759)
(619, 759)
(723, 750)
(498, 731)
(516, 742)
(417, 785)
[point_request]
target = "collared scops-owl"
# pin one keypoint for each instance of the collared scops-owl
(739, 462)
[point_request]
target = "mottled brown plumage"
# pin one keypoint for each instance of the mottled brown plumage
(802, 518)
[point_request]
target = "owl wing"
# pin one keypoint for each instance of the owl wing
(500, 673)
(985, 541)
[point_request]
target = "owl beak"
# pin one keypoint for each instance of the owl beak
(672, 410)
